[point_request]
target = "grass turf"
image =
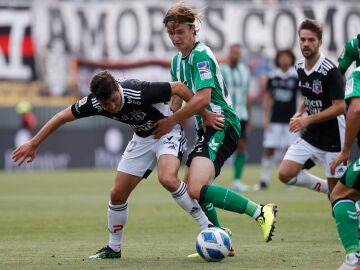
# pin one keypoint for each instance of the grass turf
(56, 219)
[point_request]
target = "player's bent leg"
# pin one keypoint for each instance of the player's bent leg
(229, 200)
(288, 170)
(168, 166)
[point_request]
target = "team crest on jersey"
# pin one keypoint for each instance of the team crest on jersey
(204, 70)
(138, 115)
(317, 87)
(290, 84)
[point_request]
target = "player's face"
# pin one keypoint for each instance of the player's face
(181, 36)
(234, 55)
(285, 61)
(309, 43)
(112, 104)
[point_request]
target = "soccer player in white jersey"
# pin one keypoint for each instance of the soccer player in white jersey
(237, 80)
(195, 65)
(139, 104)
(323, 126)
(279, 105)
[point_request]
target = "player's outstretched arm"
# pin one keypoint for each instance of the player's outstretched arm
(27, 151)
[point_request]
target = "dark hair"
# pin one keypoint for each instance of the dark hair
(181, 13)
(312, 25)
(286, 51)
(103, 84)
(235, 45)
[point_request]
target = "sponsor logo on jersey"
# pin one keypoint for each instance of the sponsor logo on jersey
(317, 87)
(144, 127)
(204, 70)
(82, 101)
(96, 104)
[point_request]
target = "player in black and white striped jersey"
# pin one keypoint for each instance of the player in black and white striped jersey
(139, 104)
(323, 127)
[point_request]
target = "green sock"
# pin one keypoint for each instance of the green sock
(239, 163)
(226, 199)
(210, 212)
(347, 224)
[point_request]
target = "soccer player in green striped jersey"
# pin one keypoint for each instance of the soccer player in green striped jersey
(347, 191)
(350, 53)
(237, 79)
(196, 65)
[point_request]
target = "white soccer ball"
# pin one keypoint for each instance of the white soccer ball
(213, 244)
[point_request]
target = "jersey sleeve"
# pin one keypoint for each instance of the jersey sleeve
(87, 106)
(352, 88)
(347, 56)
(150, 92)
(336, 84)
(204, 71)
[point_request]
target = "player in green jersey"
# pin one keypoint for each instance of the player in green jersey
(347, 190)
(237, 79)
(195, 65)
(350, 53)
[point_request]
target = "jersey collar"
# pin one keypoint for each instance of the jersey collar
(316, 66)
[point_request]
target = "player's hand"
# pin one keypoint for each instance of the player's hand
(343, 157)
(23, 152)
(213, 120)
(162, 127)
(298, 124)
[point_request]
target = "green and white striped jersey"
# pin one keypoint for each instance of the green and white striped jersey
(200, 70)
(237, 81)
(349, 54)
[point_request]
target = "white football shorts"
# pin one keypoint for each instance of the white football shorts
(141, 154)
(278, 136)
(300, 151)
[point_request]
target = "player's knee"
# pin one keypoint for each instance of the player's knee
(284, 177)
(193, 191)
(117, 197)
(169, 182)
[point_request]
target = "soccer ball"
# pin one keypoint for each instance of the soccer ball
(213, 244)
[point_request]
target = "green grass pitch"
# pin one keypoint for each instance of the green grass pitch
(56, 219)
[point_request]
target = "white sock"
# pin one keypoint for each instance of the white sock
(267, 164)
(117, 217)
(304, 179)
(182, 198)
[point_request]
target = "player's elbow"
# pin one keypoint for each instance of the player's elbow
(342, 108)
